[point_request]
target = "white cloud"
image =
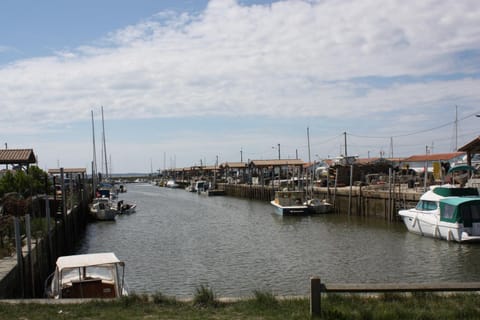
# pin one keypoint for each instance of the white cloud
(290, 57)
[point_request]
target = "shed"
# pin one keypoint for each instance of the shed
(471, 148)
(17, 157)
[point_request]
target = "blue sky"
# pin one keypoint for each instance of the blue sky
(187, 81)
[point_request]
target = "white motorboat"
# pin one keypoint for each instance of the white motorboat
(290, 203)
(96, 275)
(103, 209)
(446, 212)
(172, 184)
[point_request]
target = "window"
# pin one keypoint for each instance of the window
(425, 205)
(448, 212)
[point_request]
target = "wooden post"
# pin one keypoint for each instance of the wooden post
(28, 230)
(315, 297)
(18, 246)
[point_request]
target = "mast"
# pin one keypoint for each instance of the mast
(104, 147)
(310, 164)
(94, 164)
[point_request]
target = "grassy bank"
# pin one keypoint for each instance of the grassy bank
(259, 306)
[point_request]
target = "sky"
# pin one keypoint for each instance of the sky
(185, 83)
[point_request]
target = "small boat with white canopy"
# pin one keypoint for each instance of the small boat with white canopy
(95, 275)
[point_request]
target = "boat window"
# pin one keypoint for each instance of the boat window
(104, 272)
(448, 211)
(475, 210)
(425, 205)
(70, 275)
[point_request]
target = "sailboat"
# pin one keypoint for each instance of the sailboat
(102, 206)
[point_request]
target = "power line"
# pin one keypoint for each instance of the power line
(415, 132)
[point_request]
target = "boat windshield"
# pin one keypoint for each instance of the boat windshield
(425, 205)
(105, 272)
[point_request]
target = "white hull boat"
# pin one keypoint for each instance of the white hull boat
(446, 212)
(96, 275)
(290, 203)
(103, 209)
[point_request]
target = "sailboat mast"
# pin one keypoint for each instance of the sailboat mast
(309, 160)
(104, 147)
(94, 149)
(94, 166)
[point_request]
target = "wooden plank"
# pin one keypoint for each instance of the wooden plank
(401, 287)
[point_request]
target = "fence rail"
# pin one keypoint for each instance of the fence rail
(317, 288)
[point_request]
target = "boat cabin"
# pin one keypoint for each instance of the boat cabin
(97, 275)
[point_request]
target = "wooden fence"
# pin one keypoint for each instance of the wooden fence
(317, 288)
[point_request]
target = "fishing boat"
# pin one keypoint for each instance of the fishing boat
(95, 275)
(290, 202)
(103, 209)
(446, 212)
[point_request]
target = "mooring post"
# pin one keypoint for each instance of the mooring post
(18, 246)
(315, 296)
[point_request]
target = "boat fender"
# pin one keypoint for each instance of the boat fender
(414, 221)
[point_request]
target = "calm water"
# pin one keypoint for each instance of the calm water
(178, 240)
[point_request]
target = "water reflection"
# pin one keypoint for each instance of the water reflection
(178, 240)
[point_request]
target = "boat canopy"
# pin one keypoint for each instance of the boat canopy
(87, 260)
(455, 192)
(460, 210)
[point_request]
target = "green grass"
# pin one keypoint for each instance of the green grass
(262, 305)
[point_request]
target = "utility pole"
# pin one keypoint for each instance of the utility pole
(279, 151)
(456, 128)
(345, 134)
(391, 147)
(241, 154)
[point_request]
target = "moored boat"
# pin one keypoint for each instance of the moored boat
(318, 206)
(103, 209)
(446, 212)
(290, 203)
(96, 275)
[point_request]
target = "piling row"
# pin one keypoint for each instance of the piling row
(359, 201)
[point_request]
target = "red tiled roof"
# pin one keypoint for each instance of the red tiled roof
(434, 157)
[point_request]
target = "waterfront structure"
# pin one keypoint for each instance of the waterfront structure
(472, 149)
(17, 158)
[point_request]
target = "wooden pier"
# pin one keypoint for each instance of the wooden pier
(359, 201)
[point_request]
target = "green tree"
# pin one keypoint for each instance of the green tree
(25, 183)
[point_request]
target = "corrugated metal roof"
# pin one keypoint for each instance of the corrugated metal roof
(17, 156)
(239, 165)
(67, 170)
(434, 157)
(280, 162)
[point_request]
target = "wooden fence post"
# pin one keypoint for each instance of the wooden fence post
(315, 296)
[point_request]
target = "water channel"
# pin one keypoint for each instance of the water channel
(177, 241)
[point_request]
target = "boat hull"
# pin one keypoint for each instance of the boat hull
(290, 210)
(427, 224)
